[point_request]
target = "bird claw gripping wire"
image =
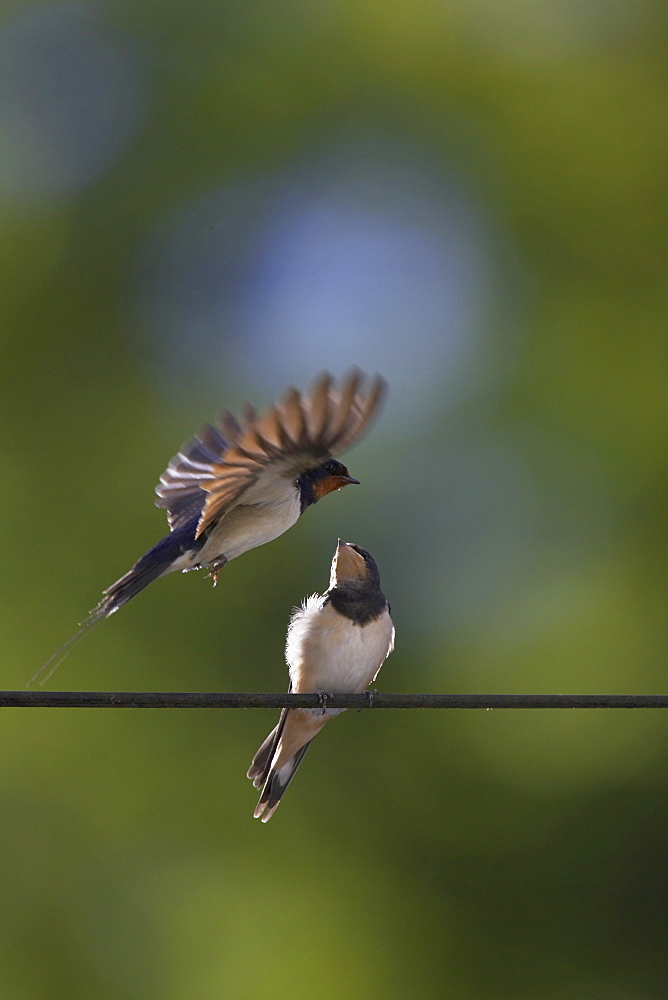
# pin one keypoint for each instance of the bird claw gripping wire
(322, 699)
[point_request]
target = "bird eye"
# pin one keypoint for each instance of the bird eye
(330, 467)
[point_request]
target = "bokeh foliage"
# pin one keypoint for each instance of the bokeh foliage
(521, 529)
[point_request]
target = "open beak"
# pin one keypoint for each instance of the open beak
(347, 564)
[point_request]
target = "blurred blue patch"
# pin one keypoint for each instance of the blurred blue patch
(363, 253)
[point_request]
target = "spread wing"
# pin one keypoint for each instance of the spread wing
(212, 472)
(179, 489)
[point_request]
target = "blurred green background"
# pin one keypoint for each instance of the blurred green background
(201, 203)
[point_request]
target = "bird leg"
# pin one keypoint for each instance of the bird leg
(216, 568)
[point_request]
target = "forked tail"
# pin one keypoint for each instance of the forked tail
(276, 784)
(273, 781)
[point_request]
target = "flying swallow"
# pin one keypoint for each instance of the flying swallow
(336, 643)
(237, 485)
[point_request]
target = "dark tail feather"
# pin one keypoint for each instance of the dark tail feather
(152, 564)
(148, 569)
(261, 762)
(276, 784)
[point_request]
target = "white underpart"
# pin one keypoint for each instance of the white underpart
(326, 651)
(248, 525)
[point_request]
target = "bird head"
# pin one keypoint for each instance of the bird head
(329, 476)
(353, 567)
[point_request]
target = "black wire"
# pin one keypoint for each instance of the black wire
(196, 699)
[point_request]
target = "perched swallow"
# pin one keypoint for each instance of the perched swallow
(238, 485)
(336, 643)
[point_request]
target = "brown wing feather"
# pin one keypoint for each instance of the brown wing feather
(273, 431)
(362, 414)
(229, 426)
(344, 403)
(292, 417)
(317, 408)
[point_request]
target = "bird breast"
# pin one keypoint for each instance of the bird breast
(327, 652)
(248, 525)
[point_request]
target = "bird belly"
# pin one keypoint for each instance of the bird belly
(247, 526)
(327, 652)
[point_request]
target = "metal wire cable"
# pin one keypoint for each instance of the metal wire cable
(369, 699)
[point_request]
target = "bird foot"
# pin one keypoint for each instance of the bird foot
(214, 572)
(369, 695)
(322, 699)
